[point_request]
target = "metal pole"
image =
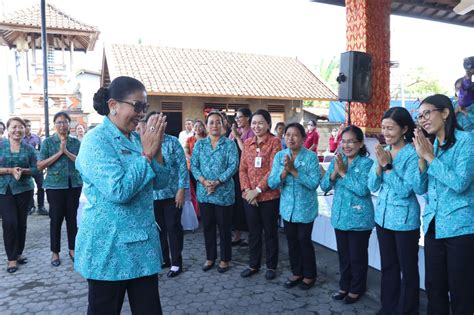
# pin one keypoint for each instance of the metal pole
(44, 47)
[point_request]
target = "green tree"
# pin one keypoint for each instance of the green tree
(418, 83)
(327, 71)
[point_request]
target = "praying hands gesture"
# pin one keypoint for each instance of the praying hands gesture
(424, 149)
(152, 137)
(339, 167)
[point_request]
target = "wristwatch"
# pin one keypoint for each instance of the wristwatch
(387, 167)
(258, 190)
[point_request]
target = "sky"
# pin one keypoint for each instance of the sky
(297, 28)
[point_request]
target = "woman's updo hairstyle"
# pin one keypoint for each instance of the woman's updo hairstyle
(119, 89)
(266, 115)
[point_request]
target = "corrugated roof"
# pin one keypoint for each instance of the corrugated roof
(199, 72)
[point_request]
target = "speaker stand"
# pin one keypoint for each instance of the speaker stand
(349, 113)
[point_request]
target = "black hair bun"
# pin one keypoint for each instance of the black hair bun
(100, 101)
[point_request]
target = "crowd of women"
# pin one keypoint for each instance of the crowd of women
(247, 178)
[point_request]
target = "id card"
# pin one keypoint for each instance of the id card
(258, 162)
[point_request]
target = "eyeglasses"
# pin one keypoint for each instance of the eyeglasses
(426, 114)
(138, 106)
(349, 142)
(61, 123)
(311, 125)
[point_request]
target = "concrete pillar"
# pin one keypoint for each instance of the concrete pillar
(368, 30)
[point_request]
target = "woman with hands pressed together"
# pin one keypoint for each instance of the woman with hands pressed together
(352, 214)
(213, 163)
(118, 246)
(17, 164)
(447, 174)
(261, 203)
(296, 172)
(397, 213)
(63, 183)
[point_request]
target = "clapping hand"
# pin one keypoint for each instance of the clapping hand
(289, 164)
(152, 135)
(339, 165)
(424, 148)
(383, 157)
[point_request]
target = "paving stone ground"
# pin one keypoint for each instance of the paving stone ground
(39, 288)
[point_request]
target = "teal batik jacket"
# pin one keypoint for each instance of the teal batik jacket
(352, 207)
(63, 171)
(397, 208)
(173, 154)
(25, 158)
(299, 199)
(449, 181)
(220, 164)
(118, 238)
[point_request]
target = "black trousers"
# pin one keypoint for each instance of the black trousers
(168, 218)
(39, 191)
(14, 211)
(239, 221)
(399, 253)
(106, 297)
(300, 249)
(352, 250)
(212, 215)
(263, 218)
(449, 264)
(63, 203)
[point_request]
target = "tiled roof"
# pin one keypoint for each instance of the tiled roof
(198, 72)
(55, 19)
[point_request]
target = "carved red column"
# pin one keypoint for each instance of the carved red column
(368, 30)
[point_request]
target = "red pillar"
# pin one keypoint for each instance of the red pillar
(368, 30)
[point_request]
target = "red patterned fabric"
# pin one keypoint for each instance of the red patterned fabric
(368, 30)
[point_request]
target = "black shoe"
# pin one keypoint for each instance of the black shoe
(223, 269)
(31, 211)
(339, 296)
(270, 274)
(172, 274)
(236, 242)
(292, 283)
(71, 256)
(247, 272)
(22, 260)
(42, 211)
(56, 262)
(207, 267)
(306, 286)
(12, 269)
(351, 300)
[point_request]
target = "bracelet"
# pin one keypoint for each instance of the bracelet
(146, 156)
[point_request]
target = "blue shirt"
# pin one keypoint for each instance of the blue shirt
(118, 238)
(63, 171)
(352, 207)
(449, 181)
(397, 208)
(219, 163)
(173, 154)
(25, 158)
(299, 199)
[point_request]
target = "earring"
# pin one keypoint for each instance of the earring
(113, 112)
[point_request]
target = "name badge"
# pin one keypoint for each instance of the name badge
(258, 162)
(126, 152)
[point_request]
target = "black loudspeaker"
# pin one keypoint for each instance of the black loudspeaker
(355, 77)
